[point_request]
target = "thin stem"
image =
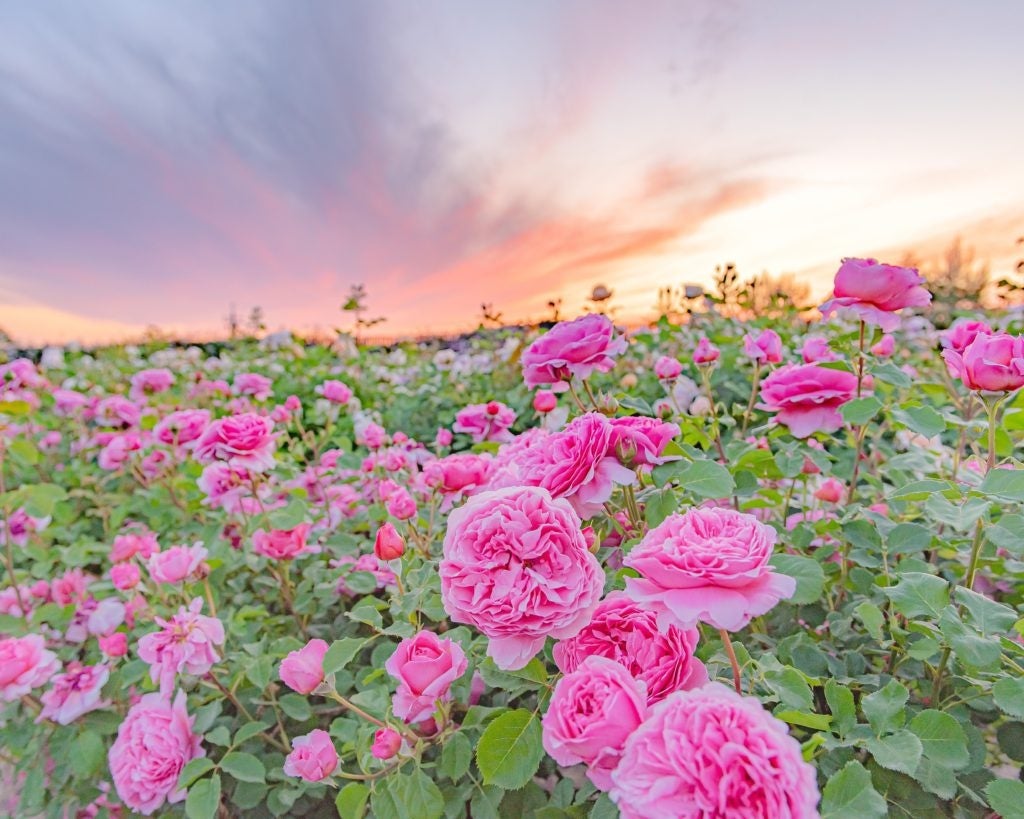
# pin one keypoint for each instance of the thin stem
(753, 398)
(576, 397)
(993, 412)
(731, 652)
(860, 359)
(359, 712)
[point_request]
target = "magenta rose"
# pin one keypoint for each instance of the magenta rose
(516, 566)
(283, 544)
(816, 349)
(990, 363)
(74, 693)
(873, 292)
(624, 632)
(25, 663)
(303, 670)
(592, 712)
(638, 440)
(572, 348)
(708, 565)
(712, 753)
(577, 464)
(182, 427)
(962, 333)
(153, 744)
(765, 348)
(806, 397)
(425, 667)
(337, 392)
(705, 352)
(245, 441)
(313, 757)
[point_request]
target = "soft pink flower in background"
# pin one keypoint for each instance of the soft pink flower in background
(766, 348)
(667, 367)
(485, 422)
(337, 392)
(283, 544)
(176, 564)
(254, 385)
(150, 382)
(182, 427)
(74, 692)
(25, 663)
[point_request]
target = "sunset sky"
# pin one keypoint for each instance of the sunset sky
(161, 161)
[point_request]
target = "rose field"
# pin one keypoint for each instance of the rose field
(726, 566)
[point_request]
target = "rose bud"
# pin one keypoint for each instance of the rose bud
(303, 670)
(388, 545)
(386, 743)
(545, 401)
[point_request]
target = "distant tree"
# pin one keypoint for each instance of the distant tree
(233, 323)
(489, 316)
(957, 277)
(555, 306)
(256, 323)
(356, 305)
(775, 295)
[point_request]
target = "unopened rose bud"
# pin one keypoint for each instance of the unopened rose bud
(590, 537)
(545, 401)
(607, 405)
(386, 743)
(830, 491)
(667, 367)
(493, 408)
(388, 545)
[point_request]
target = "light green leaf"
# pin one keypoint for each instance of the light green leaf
(943, 739)
(808, 573)
(510, 749)
(244, 767)
(849, 794)
(203, 798)
(919, 594)
(897, 752)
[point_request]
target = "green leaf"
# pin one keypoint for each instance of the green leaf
(791, 688)
(849, 794)
(296, 706)
(407, 796)
(351, 800)
(840, 703)
(341, 653)
(884, 708)
(936, 778)
(288, 516)
(943, 739)
(816, 722)
(808, 573)
(249, 730)
(193, 770)
(921, 419)
(919, 490)
(89, 752)
(243, 767)
(989, 616)
(891, 374)
(510, 749)
(1004, 483)
(961, 516)
(860, 410)
(1009, 696)
(41, 498)
(203, 798)
(919, 594)
(706, 479)
(659, 505)
(1006, 797)
(971, 647)
(455, 757)
(906, 538)
(897, 752)
(871, 616)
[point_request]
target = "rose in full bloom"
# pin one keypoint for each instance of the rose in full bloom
(708, 565)
(182, 427)
(337, 392)
(705, 352)
(806, 397)
(873, 292)
(303, 670)
(114, 645)
(638, 440)
(577, 464)
(176, 564)
(990, 363)
(572, 348)
(816, 349)
(153, 744)
(593, 711)
(313, 757)
(74, 692)
(185, 644)
(485, 422)
(25, 663)
(765, 348)
(245, 441)
(253, 384)
(962, 333)
(516, 566)
(150, 382)
(624, 632)
(425, 667)
(283, 544)
(124, 576)
(126, 546)
(712, 754)
(667, 367)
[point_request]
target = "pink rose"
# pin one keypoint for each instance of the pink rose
(150, 382)
(106, 617)
(223, 485)
(67, 401)
(114, 645)
(884, 348)
(593, 711)
(830, 491)
(337, 392)
(117, 411)
(126, 546)
(176, 564)
(667, 367)
(990, 363)
(712, 753)
(807, 397)
(253, 384)
(485, 422)
(577, 464)
(572, 348)
(25, 663)
(186, 644)
(283, 544)
(401, 505)
(640, 441)
(874, 292)
(73, 693)
(425, 667)
(386, 743)
(962, 333)
(182, 427)
(816, 349)
(153, 744)
(388, 544)
(708, 565)
(628, 634)
(443, 438)
(124, 576)
(372, 436)
(313, 757)
(303, 670)
(463, 472)
(765, 349)
(705, 352)
(516, 566)
(544, 401)
(243, 441)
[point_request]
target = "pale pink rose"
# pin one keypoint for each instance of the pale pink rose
(114, 645)
(592, 712)
(25, 663)
(223, 486)
(21, 373)
(245, 441)
(708, 565)
(283, 544)
(254, 385)
(117, 411)
(765, 348)
(516, 566)
(386, 743)
(303, 670)
(129, 544)
(712, 753)
(577, 464)
(313, 757)
(544, 401)
(185, 644)
(806, 397)
(337, 392)
(962, 333)
(401, 505)
(50, 441)
(816, 349)
(118, 451)
(67, 401)
(75, 692)
(70, 587)
(176, 564)
(624, 632)
(19, 525)
(182, 427)
(873, 292)
(572, 348)
(667, 367)
(640, 441)
(425, 667)
(705, 352)
(150, 382)
(372, 436)
(125, 576)
(106, 617)
(884, 348)
(461, 473)
(153, 744)
(990, 363)
(485, 422)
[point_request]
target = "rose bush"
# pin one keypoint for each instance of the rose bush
(728, 568)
